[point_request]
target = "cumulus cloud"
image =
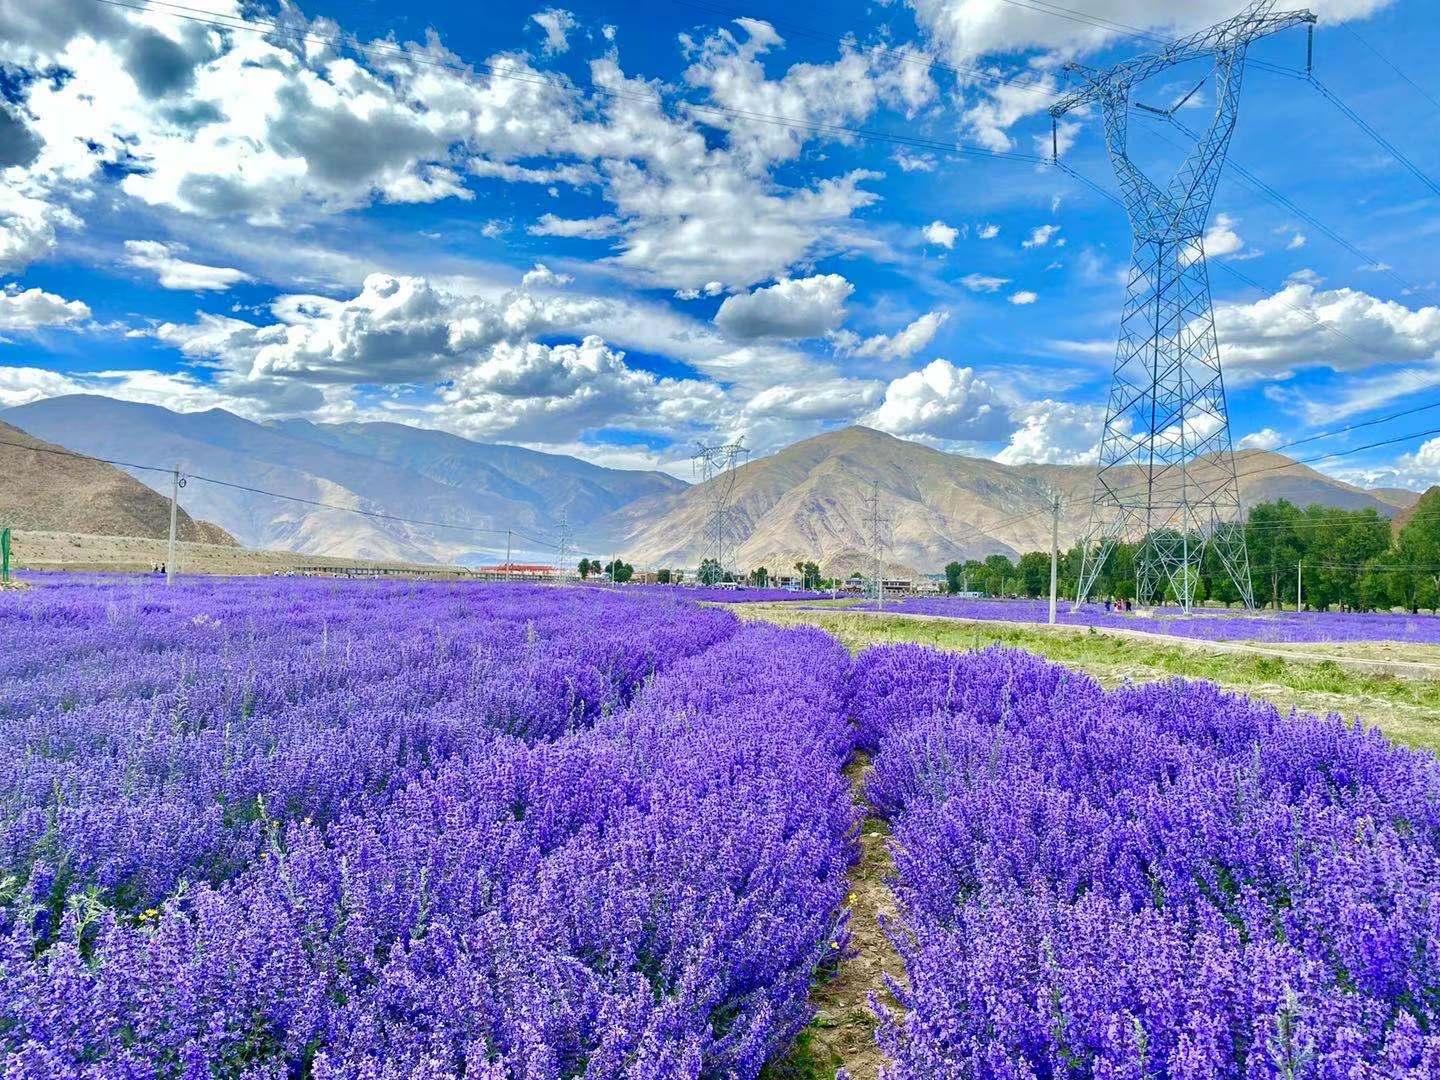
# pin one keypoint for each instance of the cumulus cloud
(966, 29)
(1286, 332)
(557, 24)
(791, 308)
(270, 130)
(942, 402)
(1023, 298)
(1054, 432)
(173, 272)
(1264, 439)
(542, 277)
(939, 234)
(1221, 241)
(900, 346)
(988, 231)
(34, 309)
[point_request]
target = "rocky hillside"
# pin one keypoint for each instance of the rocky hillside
(44, 488)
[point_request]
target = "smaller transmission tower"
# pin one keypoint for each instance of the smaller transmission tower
(715, 468)
(877, 535)
(562, 541)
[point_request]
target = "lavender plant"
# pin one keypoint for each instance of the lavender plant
(1163, 881)
(279, 829)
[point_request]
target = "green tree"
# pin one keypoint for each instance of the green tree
(663, 576)
(1417, 548)
(587, 568)
(760, 577)
(954, 577)
(710, 573)
(1033, 574)
(1275, 544)
(619, 571)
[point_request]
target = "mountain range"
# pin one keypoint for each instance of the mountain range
(807, 501)
(473, 491)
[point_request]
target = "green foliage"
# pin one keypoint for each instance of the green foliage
(710, 572)
(663, 576)
(760, 577)
(587, 568)
(619, 571)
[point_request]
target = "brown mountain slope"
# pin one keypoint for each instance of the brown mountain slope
(58, 492)
(807, 501)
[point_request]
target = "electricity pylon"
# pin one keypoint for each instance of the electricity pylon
(1167, 469)
(715, 467)
(877, 527)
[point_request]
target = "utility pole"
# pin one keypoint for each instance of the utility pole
(1054, 553)
(176, 483)
(562, 542)
(1299, 585)
(507, 555)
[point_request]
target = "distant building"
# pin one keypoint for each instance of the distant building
(514, 571)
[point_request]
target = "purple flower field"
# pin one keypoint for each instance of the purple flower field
(1208, 625)
(275, 828)
(290, 828)
(1163, 881)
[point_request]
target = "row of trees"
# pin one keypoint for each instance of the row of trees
(1346, 559)
(616, 570)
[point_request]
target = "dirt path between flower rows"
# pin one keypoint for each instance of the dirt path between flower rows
(843, 1031)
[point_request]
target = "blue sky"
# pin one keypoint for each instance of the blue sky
(528, 227)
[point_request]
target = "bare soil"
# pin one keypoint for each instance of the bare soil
(842, 1034)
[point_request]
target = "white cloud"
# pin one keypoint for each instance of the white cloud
(791, 308)
(710, 288)
(901, 346)
(988, 231)
(220, 123)
(174, 272)
(1040, 236)
(1264, 439)
(967, 29)
(22, 385)
(1221, 241)
(595, 228)
(1298, 241)
(1282, 333)
(984, 283)
(542, 277)
(940, 234)
(35, 309)
(1023, 298)
(944, 402)
(1054, 432)
(557, 23)
(910, 163)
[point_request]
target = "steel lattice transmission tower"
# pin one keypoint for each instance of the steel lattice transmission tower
(715, 469)
(877, 529)
(1167, 471)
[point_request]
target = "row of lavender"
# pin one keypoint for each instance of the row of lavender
(274, 829)
(1164, 881)
(1208, 625)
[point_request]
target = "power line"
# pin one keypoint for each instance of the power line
(1392, 66)
(1365, 126)
(1290, 206)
